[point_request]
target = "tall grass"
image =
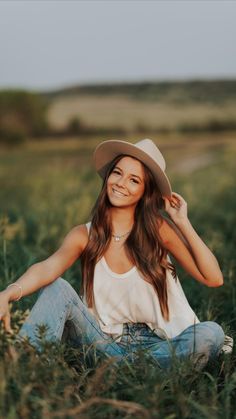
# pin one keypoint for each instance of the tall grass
(46, 193)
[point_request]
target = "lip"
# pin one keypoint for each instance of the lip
(118, 193)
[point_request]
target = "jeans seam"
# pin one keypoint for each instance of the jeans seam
(84, 314)
(63, 313)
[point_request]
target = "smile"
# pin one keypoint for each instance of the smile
(118, 193)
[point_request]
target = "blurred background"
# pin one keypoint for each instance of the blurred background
(74, 73)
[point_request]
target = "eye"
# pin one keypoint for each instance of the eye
(134, 180)
(116, 171)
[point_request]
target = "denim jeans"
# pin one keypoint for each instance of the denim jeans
(67, 317)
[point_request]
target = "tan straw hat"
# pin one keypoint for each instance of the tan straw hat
(144, 150)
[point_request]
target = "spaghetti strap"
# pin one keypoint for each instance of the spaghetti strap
(88, 225)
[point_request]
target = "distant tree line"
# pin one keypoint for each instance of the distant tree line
(194, 91)
(22, 114)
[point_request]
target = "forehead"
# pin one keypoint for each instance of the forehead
(131, 165)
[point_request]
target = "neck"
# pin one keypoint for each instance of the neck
(122, 219)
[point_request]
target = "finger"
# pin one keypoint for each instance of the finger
(178, 196)
(176, 199)
(169, 203)
(175, 202)
(7, 323)
(180, 202)
(2, 318)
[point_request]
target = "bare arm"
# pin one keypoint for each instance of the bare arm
(45, 272)
(198, 266)
(195, 257)
(176, 230)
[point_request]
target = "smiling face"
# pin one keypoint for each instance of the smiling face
(126, 184)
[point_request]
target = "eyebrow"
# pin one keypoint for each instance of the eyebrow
(117, 167)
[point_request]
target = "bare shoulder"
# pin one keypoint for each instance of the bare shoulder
(167, 229)
(169, 232)
(77, 237)
(164, 227)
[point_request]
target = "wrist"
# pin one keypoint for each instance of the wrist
(13, 292)
(184, 221)
(9, 294)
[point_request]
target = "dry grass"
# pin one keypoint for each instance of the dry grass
(124, 112)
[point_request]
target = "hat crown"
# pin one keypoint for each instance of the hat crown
(150, 148)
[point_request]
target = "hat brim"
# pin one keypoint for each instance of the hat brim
(106, 151)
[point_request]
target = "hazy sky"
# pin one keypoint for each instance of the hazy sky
(48, 44)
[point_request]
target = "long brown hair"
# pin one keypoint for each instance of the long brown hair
(144, 246)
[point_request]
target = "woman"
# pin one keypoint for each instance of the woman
(131, 296)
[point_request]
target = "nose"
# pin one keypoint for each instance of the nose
(120, 182)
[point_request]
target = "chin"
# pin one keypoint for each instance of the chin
(114, 203)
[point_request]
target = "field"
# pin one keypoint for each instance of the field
(105, 111)
(188, 106)
(48, 187)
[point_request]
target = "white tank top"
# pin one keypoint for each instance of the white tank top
(121, 298)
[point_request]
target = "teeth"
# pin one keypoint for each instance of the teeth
(117, 192)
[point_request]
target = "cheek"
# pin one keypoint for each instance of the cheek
(109, 181)
(141, 193)
(142, 189)
(138, 191)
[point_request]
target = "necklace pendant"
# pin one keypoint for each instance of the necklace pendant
(117, 238)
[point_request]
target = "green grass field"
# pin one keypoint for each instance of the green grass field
(45, 189)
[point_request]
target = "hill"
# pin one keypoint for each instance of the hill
(190, 106)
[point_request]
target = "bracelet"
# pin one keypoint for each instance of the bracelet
(20, 287)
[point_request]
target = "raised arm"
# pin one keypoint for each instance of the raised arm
(187, 247)
(45, 272)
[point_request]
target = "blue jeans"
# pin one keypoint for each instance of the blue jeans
(66, 316)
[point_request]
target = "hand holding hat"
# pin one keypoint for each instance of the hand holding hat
(176, 207)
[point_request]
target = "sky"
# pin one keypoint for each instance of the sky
(51, 44)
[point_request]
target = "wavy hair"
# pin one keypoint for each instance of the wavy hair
(143, 247)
